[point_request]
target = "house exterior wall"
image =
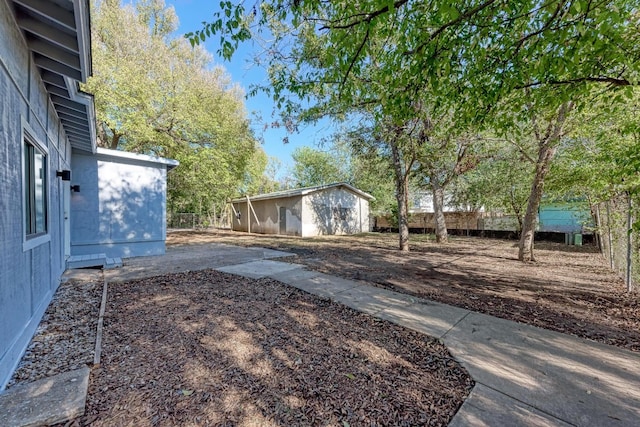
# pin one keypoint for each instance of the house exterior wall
(334, 211)
(268, 213)
(121, 207)
(29, 270)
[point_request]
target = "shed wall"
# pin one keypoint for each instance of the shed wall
(334, 211)
(28, 275)
(268, 213)
(121, 207)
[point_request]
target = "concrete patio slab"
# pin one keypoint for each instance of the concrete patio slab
(83, 261)
(271, 253)
(47, 401)
(189, 258)
(581, 382)
(486, 407)
(259, 269)
(428, 317)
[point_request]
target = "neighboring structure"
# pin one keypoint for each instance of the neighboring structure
(566, 217)
(120, 210)
(572, 217)
(569, 218)
(325, 209)
(44, 52)
(422, 202)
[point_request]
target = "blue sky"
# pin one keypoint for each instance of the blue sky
(191, 13)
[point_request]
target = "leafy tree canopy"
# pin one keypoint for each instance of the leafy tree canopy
(155, 94)
(467, 55)
(490, 64)
(314, 167)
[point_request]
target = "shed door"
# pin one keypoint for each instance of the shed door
(283, 220)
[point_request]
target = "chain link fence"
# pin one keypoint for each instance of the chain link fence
(617, 241)
(198, 221)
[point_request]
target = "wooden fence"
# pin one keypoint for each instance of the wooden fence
(426, 221)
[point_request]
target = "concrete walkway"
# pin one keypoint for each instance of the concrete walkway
(525, 376)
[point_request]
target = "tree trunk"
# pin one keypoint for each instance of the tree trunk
(438, 208)
(545, 154)
(401, 197)
(546, 151)
(113, 143)
(515, 207)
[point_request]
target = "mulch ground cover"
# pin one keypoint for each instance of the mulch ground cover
(208, 348)
(66, 336)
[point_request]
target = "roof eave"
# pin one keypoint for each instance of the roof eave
(169, 163)
(303, 192)
(83, 31)
(58, 35)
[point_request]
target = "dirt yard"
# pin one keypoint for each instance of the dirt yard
(569, 289)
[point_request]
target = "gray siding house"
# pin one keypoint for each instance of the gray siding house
(59, 194)
(313, 211)
(44, 53)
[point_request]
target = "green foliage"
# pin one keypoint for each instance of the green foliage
(157, 95)
(261, 174)
(373, 174)
(602, 158)
(517, 69)
(314, 167)
(467, 56)
(501, 183)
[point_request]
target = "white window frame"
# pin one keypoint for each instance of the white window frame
(34, 240)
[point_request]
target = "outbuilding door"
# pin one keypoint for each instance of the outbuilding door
(283, 220)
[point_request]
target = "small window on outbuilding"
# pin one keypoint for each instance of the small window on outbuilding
(35, 188)
(340, 213)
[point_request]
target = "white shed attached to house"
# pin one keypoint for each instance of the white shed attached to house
(312, 211)
(120, 208)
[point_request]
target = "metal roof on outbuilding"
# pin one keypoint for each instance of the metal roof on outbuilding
(304, 191)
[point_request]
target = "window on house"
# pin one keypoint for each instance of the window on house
(35, 188)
